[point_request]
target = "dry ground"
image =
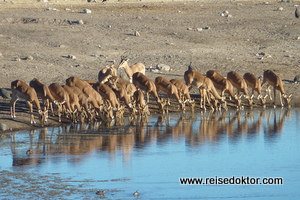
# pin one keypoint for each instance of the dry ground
(257, 37)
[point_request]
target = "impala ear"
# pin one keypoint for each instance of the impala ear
(145, 107)
(42, 112)
(107, 107)
(120, 108)
(290, 95)
(259, 96)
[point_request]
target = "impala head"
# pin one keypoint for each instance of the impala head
(223, 103)
(123, 62)
(119, 112)
(161, 104)
(87, 114)
(238, 101)
(250, 99)
(259, 97)
(182, 105)
(109, 72)
(108, 113)
(287, 99)
(112, 68)
(112, 82)
(263, 100)
(113, 79)
(82, 116)
(43, 116)
(70, 81)
(55, 102)
(190, 103)
(145, 111)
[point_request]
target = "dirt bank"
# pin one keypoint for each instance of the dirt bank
(251, 37)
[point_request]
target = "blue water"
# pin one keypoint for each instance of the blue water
(151, 156)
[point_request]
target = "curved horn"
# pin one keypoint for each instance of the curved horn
(190, 66)
(125, 55)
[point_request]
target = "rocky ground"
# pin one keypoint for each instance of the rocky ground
(55, 40)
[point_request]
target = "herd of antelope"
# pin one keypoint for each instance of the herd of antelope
(86, 100)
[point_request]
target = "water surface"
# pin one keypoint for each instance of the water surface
(151, 155)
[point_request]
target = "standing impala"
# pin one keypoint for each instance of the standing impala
(240, 84)
(22, 91)
(123, 89)
(164, 85)
(273, 80)
(78, 103)
(127, 71)
(184, 92)
(205, 86)
(115, 110)
(254, 83)
(144, 83)
(140, 103)
(92, 96)
(43, 92)
(221, 83)
(61, 95)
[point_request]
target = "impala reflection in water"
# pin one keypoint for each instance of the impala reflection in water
(151, 154)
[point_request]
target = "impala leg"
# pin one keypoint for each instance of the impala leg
(43, 115)
(204, 98)
(181, 105)
(46, 104)
(201, 97)
(168, 100)
(13, 107)
(275, 98)
(51, 108)
(269, 92)
(223, 93)
(11, 110)
(280, 98)
(59, 110)
(147, 97)
(32, 121)
(50, 105)
(167, 108)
